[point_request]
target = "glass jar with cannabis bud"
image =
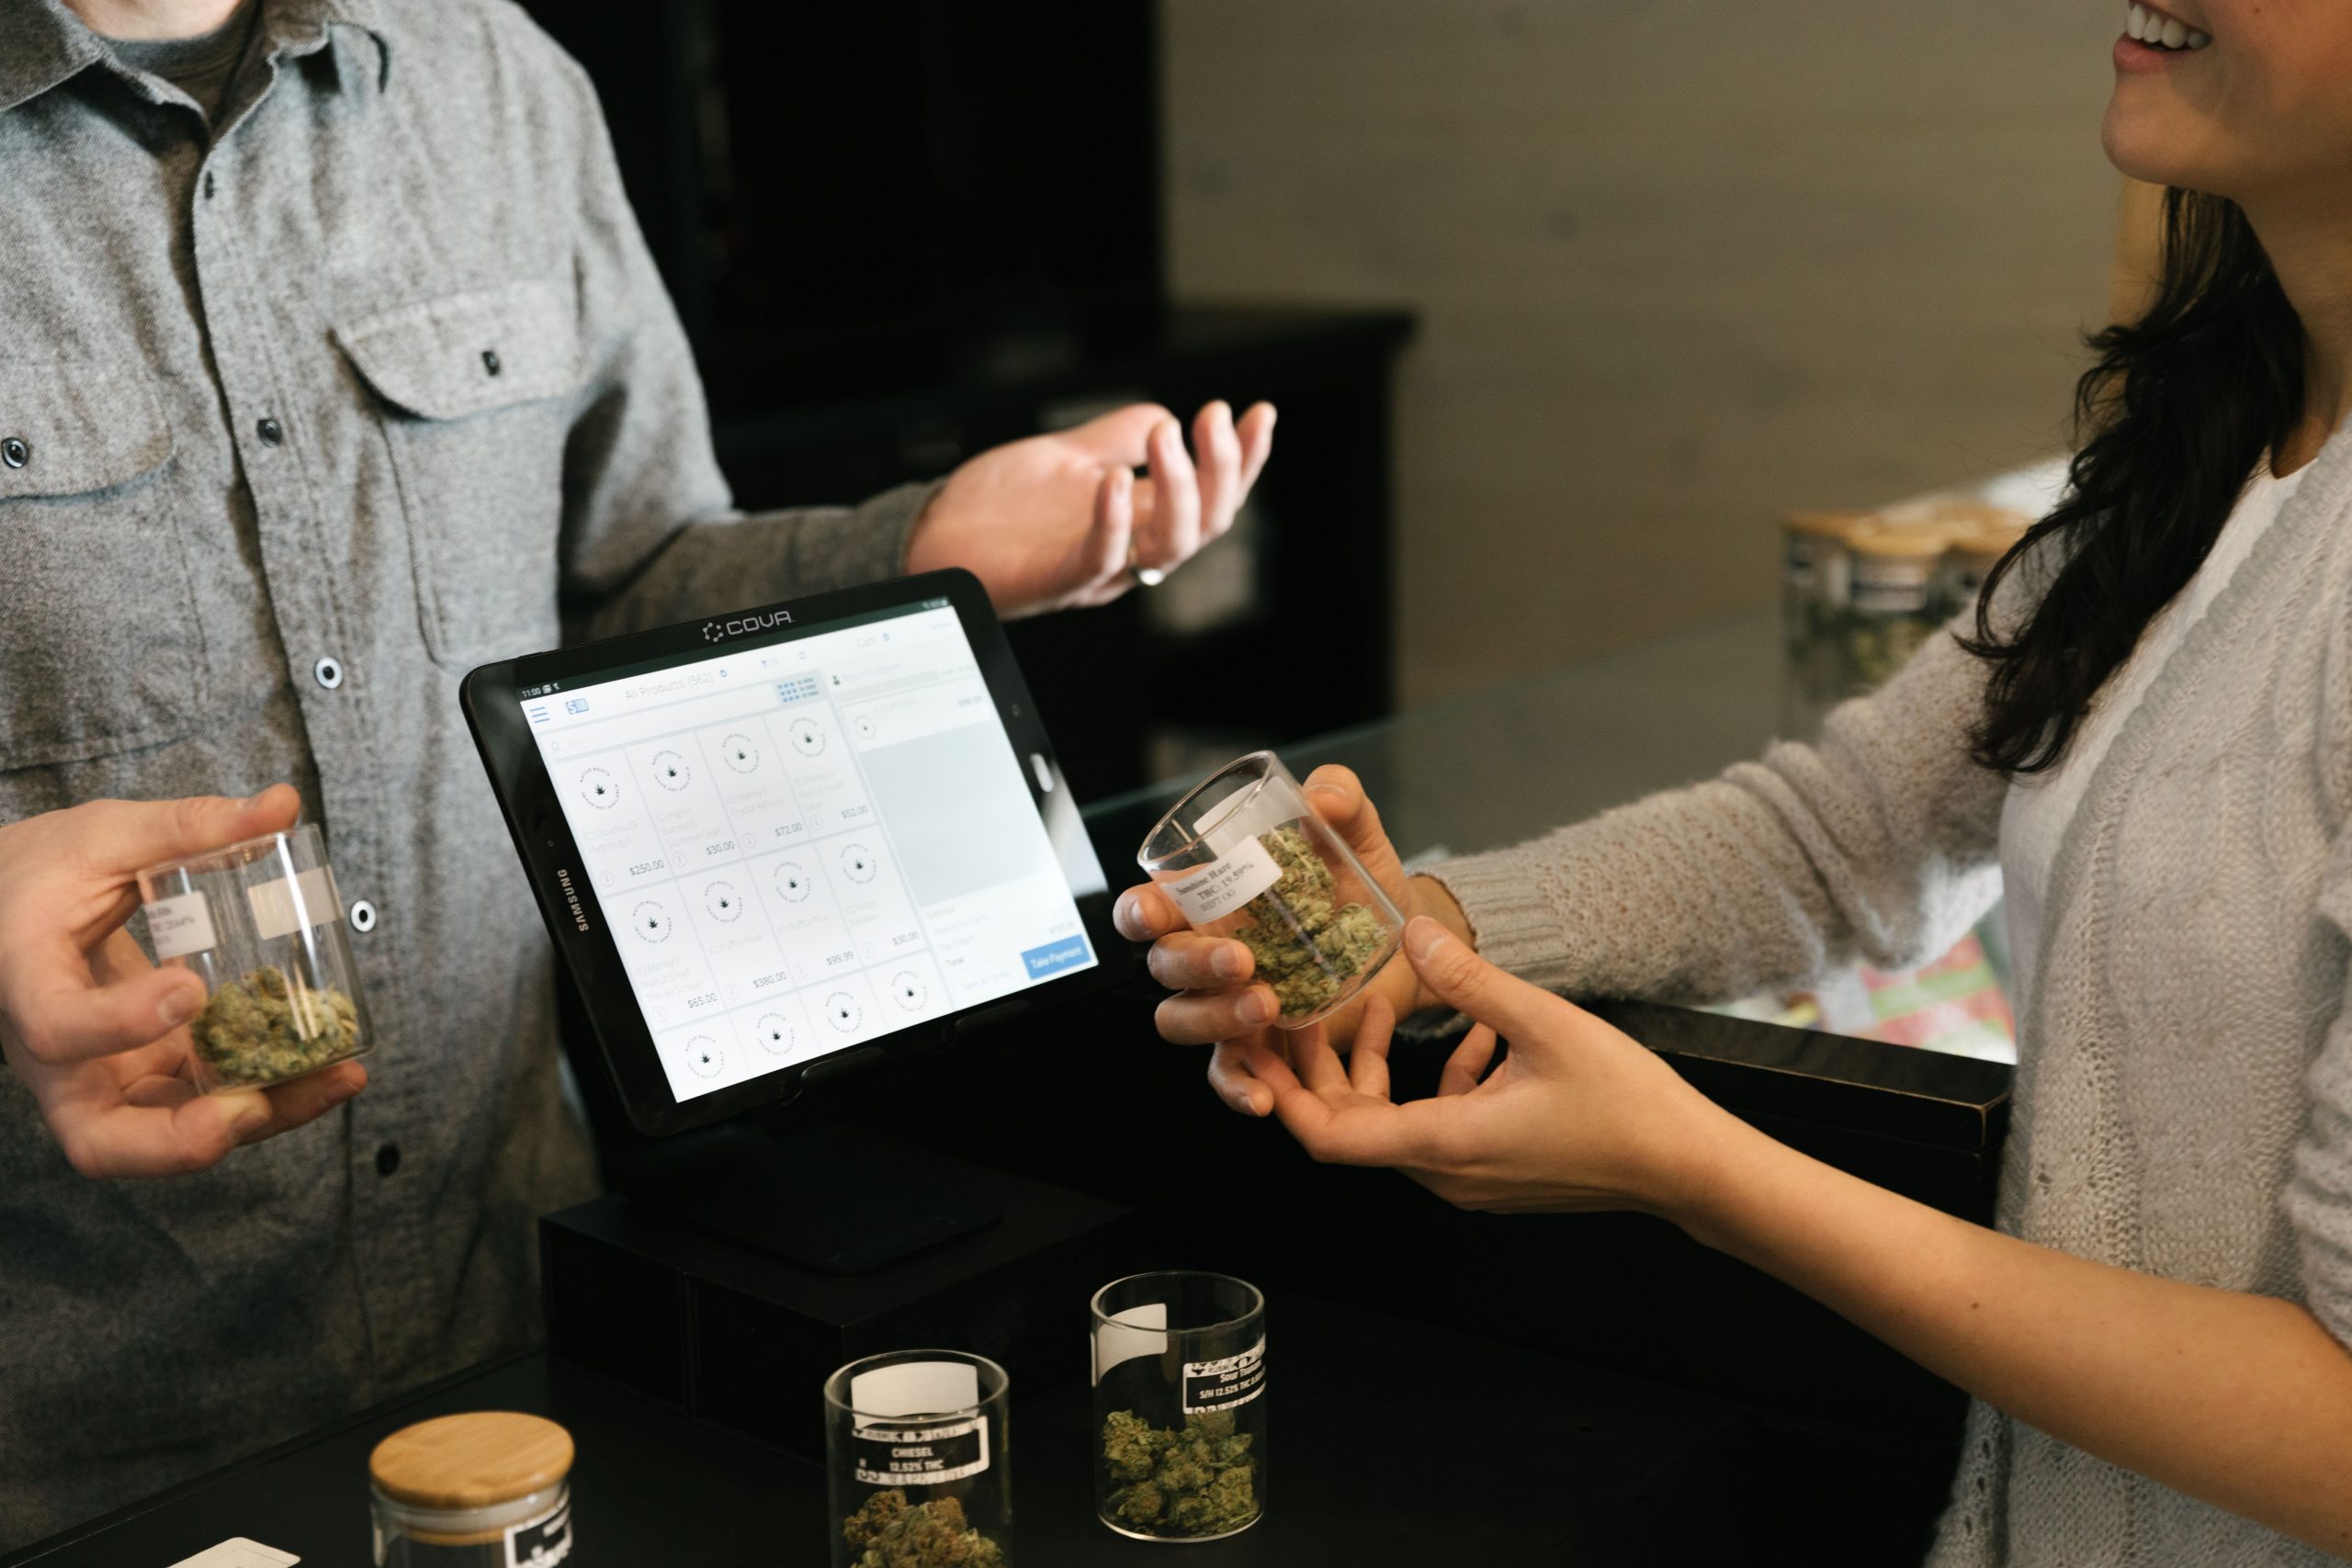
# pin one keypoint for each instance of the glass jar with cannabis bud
(1245, 856)
(262, 925)
(917, 1456)
(1180, 1405)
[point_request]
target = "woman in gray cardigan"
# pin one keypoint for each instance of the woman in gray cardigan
(2146, 731)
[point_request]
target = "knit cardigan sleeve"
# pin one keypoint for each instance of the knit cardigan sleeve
(2318, 1195)
(1879, 842)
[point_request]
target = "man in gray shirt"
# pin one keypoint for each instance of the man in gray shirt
(331, 363)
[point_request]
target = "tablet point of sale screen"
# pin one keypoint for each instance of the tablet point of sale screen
(803, 846)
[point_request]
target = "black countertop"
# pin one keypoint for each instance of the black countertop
(1390, 1443)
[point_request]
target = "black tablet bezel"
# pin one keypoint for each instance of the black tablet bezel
(492, 697)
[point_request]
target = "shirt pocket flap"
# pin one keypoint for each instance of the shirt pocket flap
(75, 425)
(466, 354)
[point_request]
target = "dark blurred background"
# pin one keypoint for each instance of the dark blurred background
(1564, 305)
(901, 232)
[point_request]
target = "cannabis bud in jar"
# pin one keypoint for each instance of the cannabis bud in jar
(1193, 1480)
(1245, 856)
(261, 924)
(261, 1030)
(888, 1531)
(1307, 944)
(915, 1453)
(1179, 1405)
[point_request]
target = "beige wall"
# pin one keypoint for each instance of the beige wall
(1681, 265)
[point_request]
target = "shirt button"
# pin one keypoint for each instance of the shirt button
(489, 361)
(207, 185)
(363, 917)
(328, 673)
(270, 431)
(387, 1160)
(15, 453)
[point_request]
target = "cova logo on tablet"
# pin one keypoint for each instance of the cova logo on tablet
(715, 631)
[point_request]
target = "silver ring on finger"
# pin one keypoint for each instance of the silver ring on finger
(1149, 576)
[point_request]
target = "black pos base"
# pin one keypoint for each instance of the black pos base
(834, 1199)
(740, 1271)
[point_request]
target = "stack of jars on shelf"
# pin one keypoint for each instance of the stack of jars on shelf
(1862, 591)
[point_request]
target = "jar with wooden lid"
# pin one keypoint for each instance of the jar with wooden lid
(1813, 568)
(1974, 552)
(488, 1489)
(1816, 571)
(1894, 607)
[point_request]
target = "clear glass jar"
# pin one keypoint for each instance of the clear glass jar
(916, 1450)
(1895, 608)
(261, 924)
(488, 1489)
(1816, 577)
(1974, 551)
(1180, 1405)
(1245, 856)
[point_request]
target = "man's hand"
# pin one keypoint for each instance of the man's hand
(95, 1030)
(1218, 1004)
(1061, 520)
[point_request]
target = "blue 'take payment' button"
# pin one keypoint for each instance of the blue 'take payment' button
(1071, 953)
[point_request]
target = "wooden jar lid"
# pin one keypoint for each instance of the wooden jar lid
(472, 1461)
(1916, 543)
(1822, 524)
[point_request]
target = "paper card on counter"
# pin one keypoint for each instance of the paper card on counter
(239, 1553)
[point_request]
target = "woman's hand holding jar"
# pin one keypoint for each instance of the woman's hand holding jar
(1220, 1003)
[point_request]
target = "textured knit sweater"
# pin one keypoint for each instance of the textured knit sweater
(2183, 1091)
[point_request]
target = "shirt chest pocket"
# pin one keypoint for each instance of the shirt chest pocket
(101, 646)
(475, 390)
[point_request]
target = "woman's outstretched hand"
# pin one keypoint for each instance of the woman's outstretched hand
(1576, 1116)
(2242, 1400)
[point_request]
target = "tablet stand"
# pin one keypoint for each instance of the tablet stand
(834, 1199)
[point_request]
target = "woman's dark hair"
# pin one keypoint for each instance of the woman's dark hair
(2177, 409)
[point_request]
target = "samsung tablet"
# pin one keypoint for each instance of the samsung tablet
(786, 841)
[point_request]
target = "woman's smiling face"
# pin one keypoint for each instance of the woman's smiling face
(2238, 98)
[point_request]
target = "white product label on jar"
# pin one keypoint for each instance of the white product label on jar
(912, 1388)
(542, 1542)
(1225, 1383)
(180, 926)
(1139, 1331)
(1837, 580)
(1889, 598)
(285, 905)
(1241, 875)
(921, 1456)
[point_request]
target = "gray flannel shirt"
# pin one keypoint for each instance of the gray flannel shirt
(299, 420)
